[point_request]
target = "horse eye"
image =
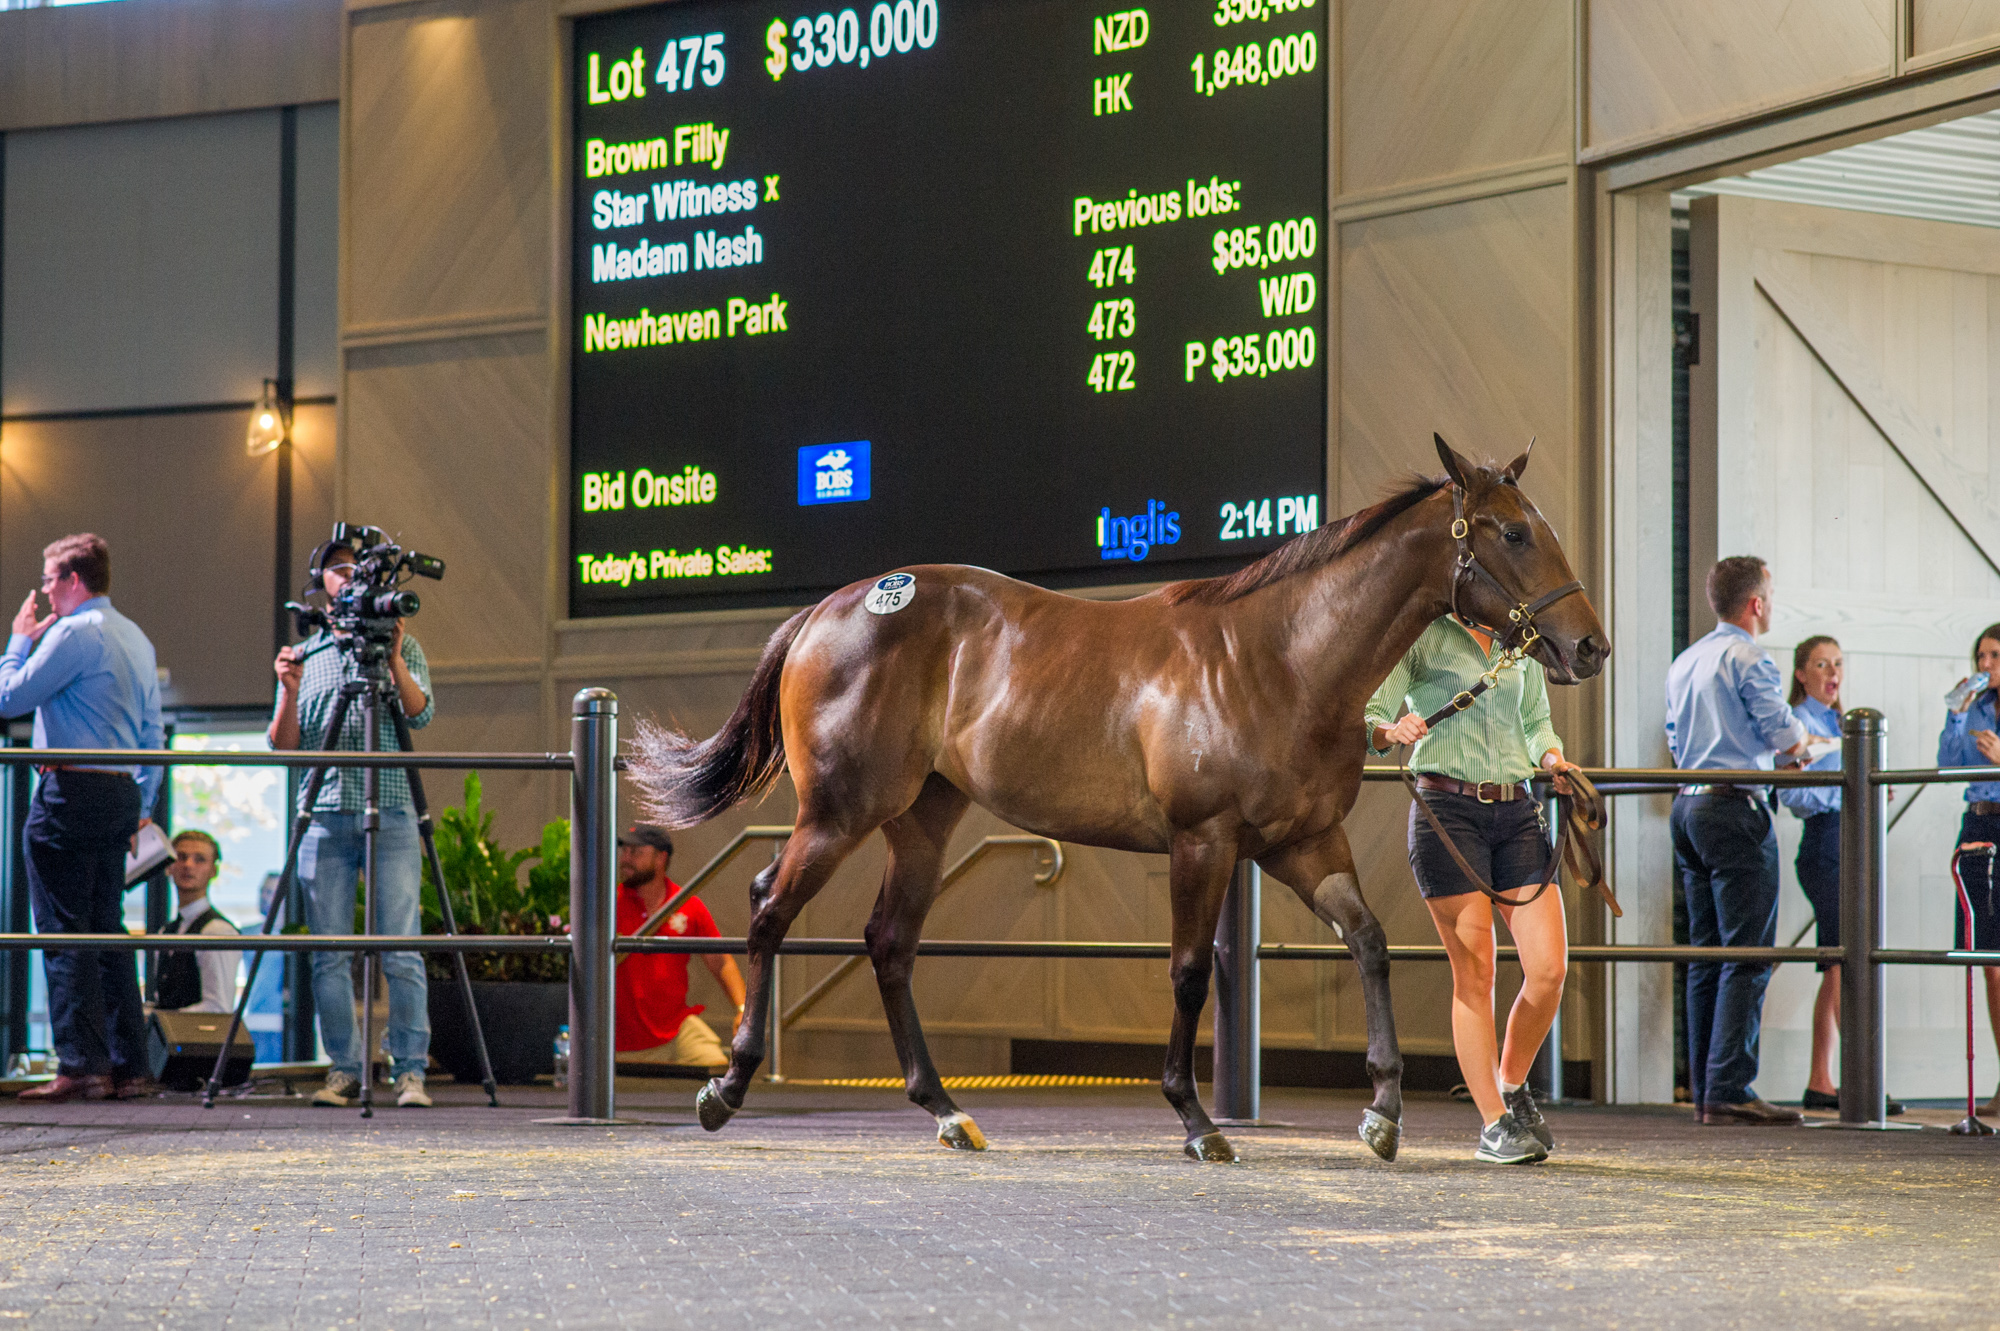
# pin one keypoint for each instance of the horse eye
(1515, 535)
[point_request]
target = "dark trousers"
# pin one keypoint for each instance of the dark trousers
(79, 828)
(1727, 854)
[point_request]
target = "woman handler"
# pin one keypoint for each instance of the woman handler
(1969, 740)
(1473, 774)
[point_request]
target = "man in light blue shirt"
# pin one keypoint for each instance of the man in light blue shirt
(1726, 710)
(90, 677)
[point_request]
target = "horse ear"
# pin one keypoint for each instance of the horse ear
(1520, 464)
(1455, 466)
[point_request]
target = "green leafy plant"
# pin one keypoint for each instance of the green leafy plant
(488, 894)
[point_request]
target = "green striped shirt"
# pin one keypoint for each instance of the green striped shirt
(326, 669)
(1500, 738)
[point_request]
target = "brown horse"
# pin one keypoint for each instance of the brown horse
(1211, 721)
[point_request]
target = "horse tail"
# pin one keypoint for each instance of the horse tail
(684, 781)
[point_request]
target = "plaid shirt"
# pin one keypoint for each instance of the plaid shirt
(326, 669)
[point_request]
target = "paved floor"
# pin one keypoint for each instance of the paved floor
(830, 1207)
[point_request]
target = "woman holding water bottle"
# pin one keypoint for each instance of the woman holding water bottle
(1815, 700)
(1971, 738)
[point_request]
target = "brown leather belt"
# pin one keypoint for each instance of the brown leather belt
(1983, 808)
(1486, 792)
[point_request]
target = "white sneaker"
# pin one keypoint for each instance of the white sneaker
(340, 1090)
(410, 1091)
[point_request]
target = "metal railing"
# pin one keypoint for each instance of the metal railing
(594, 946)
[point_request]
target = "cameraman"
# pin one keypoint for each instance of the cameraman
(310, 676)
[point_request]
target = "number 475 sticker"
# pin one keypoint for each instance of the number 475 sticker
(890, 594)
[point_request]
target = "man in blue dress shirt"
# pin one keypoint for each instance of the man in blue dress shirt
(1726, 710)
(89, 674)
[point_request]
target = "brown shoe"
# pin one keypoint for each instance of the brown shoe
(1753, 1111)
(140, 1087)
(65, 1087)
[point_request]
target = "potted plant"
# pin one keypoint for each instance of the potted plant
(523, 999)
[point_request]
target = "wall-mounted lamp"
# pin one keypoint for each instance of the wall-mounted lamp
(268, 426)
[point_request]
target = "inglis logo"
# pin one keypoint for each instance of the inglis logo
(834, 473)
(1133, 538)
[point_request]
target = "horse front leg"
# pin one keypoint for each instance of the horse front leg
(1200, 868)
(1322, 874)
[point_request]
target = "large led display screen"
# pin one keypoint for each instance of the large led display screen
(1028, 284)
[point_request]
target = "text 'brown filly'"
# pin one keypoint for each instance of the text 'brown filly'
(1211, 721)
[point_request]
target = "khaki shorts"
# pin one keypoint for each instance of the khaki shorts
(694, 1046)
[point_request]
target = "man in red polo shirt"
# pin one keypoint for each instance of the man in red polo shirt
(655, 1023)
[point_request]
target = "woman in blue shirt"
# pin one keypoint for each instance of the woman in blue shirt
(1815, 699)
(1970, 740)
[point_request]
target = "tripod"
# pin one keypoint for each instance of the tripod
(376, 688)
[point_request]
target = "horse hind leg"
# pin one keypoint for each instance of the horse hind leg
(780, 892)
(909, 887)
(1200, 873)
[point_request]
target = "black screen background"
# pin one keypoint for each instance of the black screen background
(936, 299)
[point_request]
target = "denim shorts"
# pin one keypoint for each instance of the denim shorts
(1507, 843)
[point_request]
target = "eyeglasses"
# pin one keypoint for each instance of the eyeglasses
(51, 579)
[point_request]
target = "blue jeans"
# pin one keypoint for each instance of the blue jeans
(77, 832)
(1727, 853)
(329, 866)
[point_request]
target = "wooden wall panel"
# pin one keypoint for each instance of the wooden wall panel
(188, 518)
(1456, 319)
(1657, 70)
(1440, 88)
(447, 447)
(147, 59)
(447, 184)
(1941, 27)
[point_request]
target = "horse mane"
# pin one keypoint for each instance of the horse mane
(1309, 551)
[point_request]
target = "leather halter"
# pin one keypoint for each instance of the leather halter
(1521, 633)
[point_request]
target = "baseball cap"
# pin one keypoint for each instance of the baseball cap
(647, 834)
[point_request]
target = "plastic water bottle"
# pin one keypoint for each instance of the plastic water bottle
(562, 1057)
(1965, 692)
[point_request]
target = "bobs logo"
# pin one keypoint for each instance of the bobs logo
(1133, 538)
(834, 473)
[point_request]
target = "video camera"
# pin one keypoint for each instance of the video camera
(362, 617)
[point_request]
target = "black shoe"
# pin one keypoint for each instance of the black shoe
(1506, 1142)
(1521, 1104)
(1831, 1100)
(1752, 1111)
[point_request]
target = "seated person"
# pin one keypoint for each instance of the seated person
(196, 981)
(655, 1023)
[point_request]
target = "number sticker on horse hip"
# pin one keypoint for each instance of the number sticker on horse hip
(891, 594)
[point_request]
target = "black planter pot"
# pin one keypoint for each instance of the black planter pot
(521, 1019)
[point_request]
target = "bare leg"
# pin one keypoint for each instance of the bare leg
(1200, 870)
(1465, 926)
(1542, 936)
(916, 853)
(1322, 874)
(1826, 1032)
(780, 892)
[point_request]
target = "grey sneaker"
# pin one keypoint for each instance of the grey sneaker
(1506, 1142)
(410, 1091)
(340, 1090)
(1521, 1104)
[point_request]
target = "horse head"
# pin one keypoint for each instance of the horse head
(1511, 572)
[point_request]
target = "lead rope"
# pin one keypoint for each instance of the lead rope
(1579, 813)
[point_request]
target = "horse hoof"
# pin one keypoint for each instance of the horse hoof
(1383, 1134)
(960, 1133)
(1211, 1148)
(709, 1104)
